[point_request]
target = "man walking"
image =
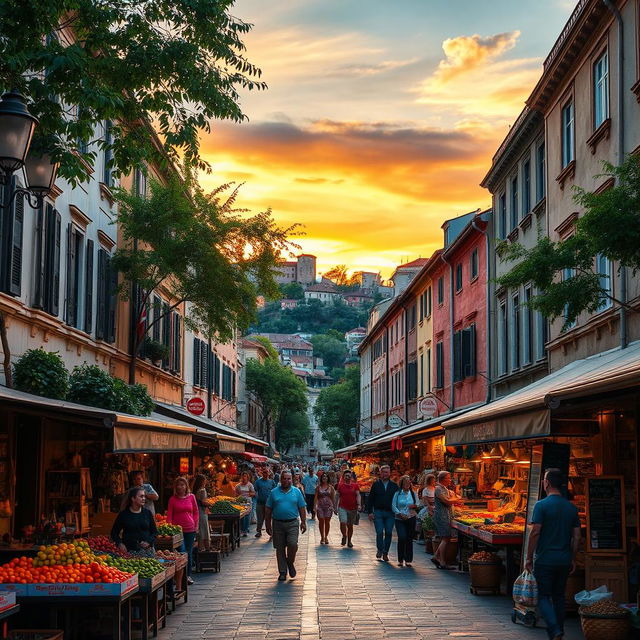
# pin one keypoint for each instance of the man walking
(263, 486)
(551, 552)
(310, 482)
(284, 504)
(380, 511)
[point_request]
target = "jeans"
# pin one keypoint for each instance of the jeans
(244, 523)
(383, 521)
(187, 545)
(309, 499)
(552, 581)
(259, 516)
(405, 529)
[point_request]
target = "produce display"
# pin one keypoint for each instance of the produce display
(225, 507)
(66, 553)
(144, 567)
(103, 544)
(169, 556)
(502, 529)
(484, 556)
(604, 607)
(24, 571)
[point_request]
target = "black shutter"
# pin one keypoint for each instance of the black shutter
(15, 266)
(177, 344)
(52, 285)
(157, 311)
(439, 365)
(196, 362)
(233, 384)
(101, 312)
(204, 364)
(166, 332)
(469, 351)
(216, 375)
(412, 380)
(108, 154)
(71, 306)
(39, 258)
(111, 300)
(88, 288)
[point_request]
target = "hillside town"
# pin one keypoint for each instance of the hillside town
(200, 422)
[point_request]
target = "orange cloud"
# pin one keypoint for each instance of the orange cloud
(465, 53)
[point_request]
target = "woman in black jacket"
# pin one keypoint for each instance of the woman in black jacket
(134, 528)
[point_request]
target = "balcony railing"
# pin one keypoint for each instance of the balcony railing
(562, 38)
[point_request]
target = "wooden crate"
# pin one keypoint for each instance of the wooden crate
(610, 571)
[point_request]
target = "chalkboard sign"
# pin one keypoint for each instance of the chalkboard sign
(605, 515)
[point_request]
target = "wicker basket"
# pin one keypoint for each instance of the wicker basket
(485, 575)
(605, 627)
(452, 549)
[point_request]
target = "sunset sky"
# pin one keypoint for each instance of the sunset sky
(381, 117)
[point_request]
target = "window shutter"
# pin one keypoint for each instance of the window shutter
(233, 384)
(157, 310)
(204, 363)
(110, 304)
(196, 362)
(166, 332)
(88, 288)
(70, 315)
(439, 365)
(53, 262)
(457, 356)
(472, 350)
(177, 344)
(101, 312)
(216, 375)
(108, 154)
(39, 267)
(15, 267)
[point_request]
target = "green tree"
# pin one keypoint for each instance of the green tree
(202, 250)
(177, 64)
(330, 349)
(266, 343)
(564, 272)
(292, 430)
(292, 291)
(42, 373)
(338, 275)
(338, 409)
(279, 390)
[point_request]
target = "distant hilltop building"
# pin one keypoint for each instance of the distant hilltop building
(405, 273)
(325, 292)
(302, 270)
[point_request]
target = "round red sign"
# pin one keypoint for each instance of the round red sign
(196, 406)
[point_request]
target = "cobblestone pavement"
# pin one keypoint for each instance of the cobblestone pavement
(340, 594)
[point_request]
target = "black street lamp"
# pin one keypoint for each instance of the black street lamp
(16, 132)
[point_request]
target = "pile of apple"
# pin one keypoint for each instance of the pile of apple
(103, 544)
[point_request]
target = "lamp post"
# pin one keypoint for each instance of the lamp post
(16, 132)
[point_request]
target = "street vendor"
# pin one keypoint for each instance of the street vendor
(151, 495)
(135, 527)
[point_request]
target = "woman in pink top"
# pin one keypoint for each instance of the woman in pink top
(183, 510)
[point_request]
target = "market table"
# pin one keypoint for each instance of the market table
(6, 613)
(231, 524)
(153, 605)
(70, 605)
(509, 541)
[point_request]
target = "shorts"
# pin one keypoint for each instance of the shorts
(347, 517)
(285, 534)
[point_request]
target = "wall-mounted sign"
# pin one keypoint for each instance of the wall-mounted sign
(394, 421)
(184, 464)
(196, 406)
(230, 446)
(428, 407)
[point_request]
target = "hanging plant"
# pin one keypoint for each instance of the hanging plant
(42, 373)
(155, 350)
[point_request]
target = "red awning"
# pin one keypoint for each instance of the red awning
(253, 457)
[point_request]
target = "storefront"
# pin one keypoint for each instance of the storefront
(582, 419)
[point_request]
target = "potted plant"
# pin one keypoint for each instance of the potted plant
(428, 532)
(42, 373)
(155, 350)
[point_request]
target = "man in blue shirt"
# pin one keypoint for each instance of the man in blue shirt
(284, 504)
(551, 552)
(310, 482)
(263, 486)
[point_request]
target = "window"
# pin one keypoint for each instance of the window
(46, 287)
(540, 177)
(429, 370)
(74, 257)
(567, 274)
(88, 287)
(543, 334)
(528, 328)
(473, 267)
(459, 277)
(526, 187)
(421, 373)
(464, 353)
(140, 183)
(412, 380)
(568, 135)
(514, 203)
(502, 214)
(600, 90)
(106, 298)
(439, 365)
(11, 228)
(107, 173)
(411, 316)
(428, 312)
(422, 306)
(503, 338)
(515, 332)
(440, 291)
(603, 269)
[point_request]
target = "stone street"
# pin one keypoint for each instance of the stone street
(341, 594)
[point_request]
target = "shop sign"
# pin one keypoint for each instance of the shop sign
(484, 431)
(128, 440)
(428, 407)
(196, 406)
(230, 446)
(394, 421)
(184, 464)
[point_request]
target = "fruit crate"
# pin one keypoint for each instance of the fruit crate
(169, 569)
(151, 584)
(169, 542)
(181, 561)
(36, 634)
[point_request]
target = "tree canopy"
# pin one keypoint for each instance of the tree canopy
(338, 409)
(202, 250)
(565, 273)
(292, 291)
(178, 65)
(330, 349)
(292, 430)
(282, 395)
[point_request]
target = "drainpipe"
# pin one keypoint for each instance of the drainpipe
(370, 389)
(406, 366)
(488, 305)
(624, 338)
(386, 377)
(452, 401)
